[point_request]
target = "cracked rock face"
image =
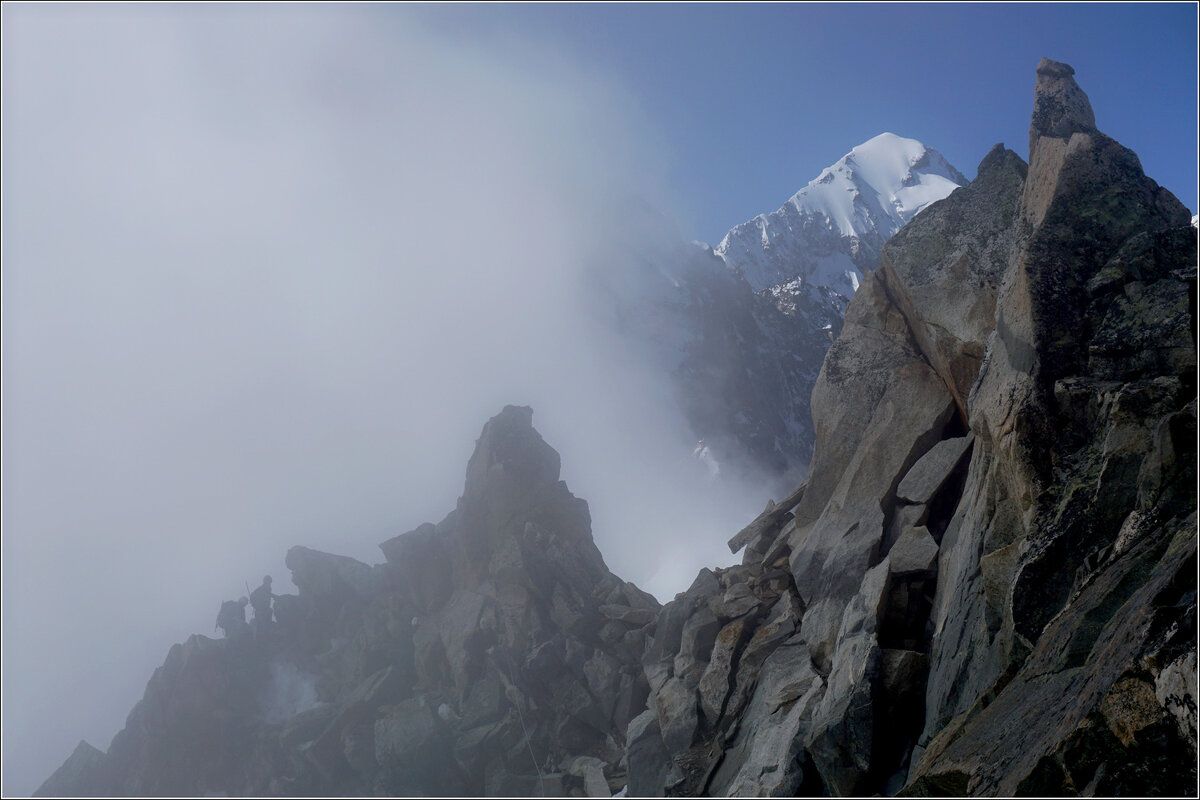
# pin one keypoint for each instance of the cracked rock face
(1060, 108)
(987, 585)
(1059, 441)
(995, 551)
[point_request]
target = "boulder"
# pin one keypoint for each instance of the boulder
(764, 756)
(738, 600)
(591, 771)
(633, 617)
(778, 623)
(306, 726)
(914, 552)
(651, 768)
(1175, 690)
(714, 683)
(933, 469)
(677, 709)
(405, 736)
(420, 566)
(761, 532)
(361, 707)
(325, 575)
(695, 644)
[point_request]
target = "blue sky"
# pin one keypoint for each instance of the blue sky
(754, 100)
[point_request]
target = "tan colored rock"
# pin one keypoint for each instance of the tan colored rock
(945, 273)
(998, 569)
(714, 683)
(1128, 707)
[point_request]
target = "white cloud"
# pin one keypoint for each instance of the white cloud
(267, 271)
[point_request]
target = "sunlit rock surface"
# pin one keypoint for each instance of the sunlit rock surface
(987, 585)
(743, 328)
(994, 556)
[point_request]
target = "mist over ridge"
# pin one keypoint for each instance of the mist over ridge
(266, 275)
(263, 288)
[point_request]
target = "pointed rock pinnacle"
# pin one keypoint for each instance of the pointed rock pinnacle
(1060, 107)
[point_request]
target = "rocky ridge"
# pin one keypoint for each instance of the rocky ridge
(986, 586)
(742, 329)
(490, 654)
(991, 568)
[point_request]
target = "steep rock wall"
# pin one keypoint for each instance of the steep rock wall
(987, 586)
(994, 554)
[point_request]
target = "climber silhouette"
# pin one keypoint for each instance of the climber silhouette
(260, 600)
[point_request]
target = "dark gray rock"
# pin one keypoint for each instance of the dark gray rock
(421, 567)
(914, 552)
(932, 470)
(987, 585)
(764, 757)
(633, 617)
(651, 768)
(407, 735)
(81, 775)
(325, 575)
(1060, 107)
(677, 708)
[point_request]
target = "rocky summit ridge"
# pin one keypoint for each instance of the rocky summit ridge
(987, 585)
(742, 329)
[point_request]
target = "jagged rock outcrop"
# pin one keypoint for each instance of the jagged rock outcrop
(742, 329)
(1069, 569)
(491, 654)
(82, 774)
(993, 561)
(986, 586)
(731, 685)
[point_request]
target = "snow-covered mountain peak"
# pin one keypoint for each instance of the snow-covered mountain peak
(832, 229)
(902, 174)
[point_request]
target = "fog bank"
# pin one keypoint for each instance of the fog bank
(267, 271)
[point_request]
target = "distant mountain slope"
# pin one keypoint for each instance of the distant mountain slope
(743, 329)
(829, 233)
